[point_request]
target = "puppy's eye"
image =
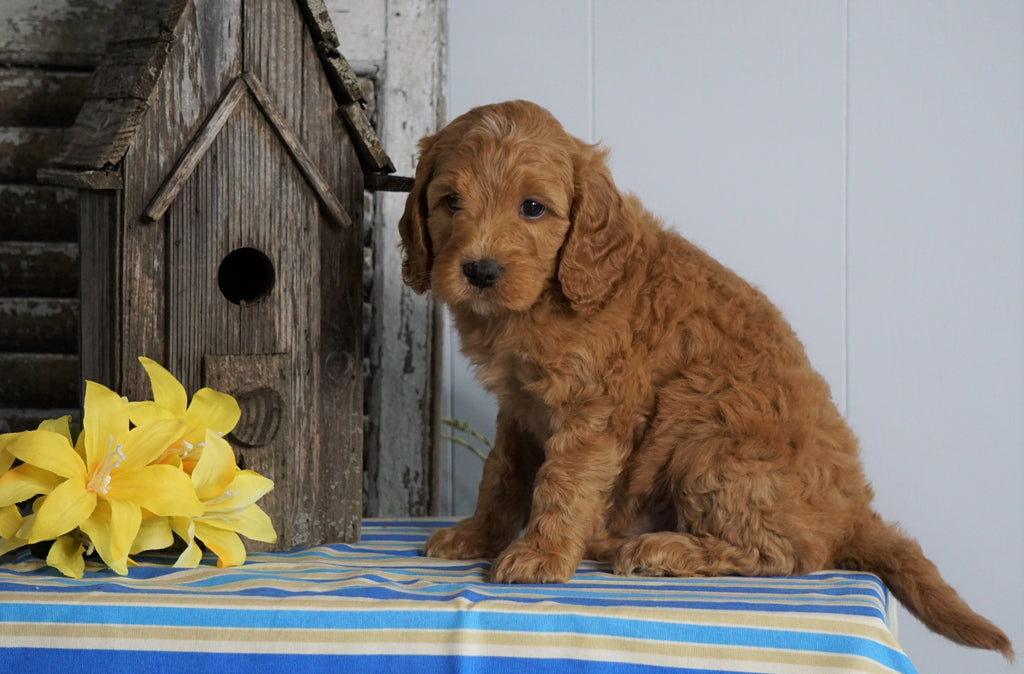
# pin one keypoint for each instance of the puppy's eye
(452, 202)
(532, 209)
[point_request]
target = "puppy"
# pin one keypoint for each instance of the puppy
(655, 410)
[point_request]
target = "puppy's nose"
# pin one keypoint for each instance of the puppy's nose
(483, 273)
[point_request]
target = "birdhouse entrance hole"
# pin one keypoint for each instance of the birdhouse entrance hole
(245, 275)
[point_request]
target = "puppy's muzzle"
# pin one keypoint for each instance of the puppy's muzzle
(483, 273)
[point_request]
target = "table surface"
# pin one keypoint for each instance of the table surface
(380, 606)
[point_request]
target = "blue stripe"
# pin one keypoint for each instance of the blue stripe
(47, 661)
(538, 623)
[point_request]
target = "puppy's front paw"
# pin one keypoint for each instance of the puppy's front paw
(463, 541)
(524, 562)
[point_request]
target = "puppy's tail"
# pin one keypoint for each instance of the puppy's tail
(882, 549)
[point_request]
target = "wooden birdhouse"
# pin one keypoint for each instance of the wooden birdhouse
(220, 156)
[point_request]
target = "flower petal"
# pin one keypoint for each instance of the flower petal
(49, 451)
(66, 556)
(25, 481)
(112, 528)
(105, 421)
(58, 425)
(146, 443)
(64, 508)
(215, 469)
(125, 520)
(147, 411)
(192, 555)
(247, 488)
(210, 409)
(167, 391)
(10, 522)
(225, 544)
(251, 522)
(154, 534)
(6, 458)
(160, 489)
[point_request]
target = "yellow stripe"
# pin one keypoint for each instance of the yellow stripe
(462, 642)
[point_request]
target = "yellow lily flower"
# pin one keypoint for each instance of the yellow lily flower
(209, 409)
(104, 494)
(229, 498)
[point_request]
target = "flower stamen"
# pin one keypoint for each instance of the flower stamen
(99, 483)
(226, 496)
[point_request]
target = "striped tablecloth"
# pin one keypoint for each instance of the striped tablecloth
(379, 606)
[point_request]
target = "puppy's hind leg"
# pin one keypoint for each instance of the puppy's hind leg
(668, 553)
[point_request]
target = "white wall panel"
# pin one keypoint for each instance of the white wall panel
(538, 50)
(936, 185)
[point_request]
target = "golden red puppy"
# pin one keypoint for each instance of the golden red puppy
(655, 410)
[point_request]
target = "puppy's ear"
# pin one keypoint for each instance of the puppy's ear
(599, 239)
(416, 245)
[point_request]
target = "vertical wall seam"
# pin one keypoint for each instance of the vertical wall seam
(846, 211)
(591, 71)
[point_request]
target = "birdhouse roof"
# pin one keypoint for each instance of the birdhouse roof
(119, 94)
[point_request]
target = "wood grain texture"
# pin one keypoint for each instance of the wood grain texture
(303, 160)
(38, 325)
(51, 32)
(40, 380)
(33, 97)
(38, 212)
(38, 269)
(193, 154)
(101, 296)
(82, 179)
(401, 469)
(24, 150)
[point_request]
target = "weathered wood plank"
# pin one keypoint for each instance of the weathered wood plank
(401, 462)
(129, 69)
(297, 150)
(24, 150)
(262, 384)
(13, 420)
(33, 97)
(37, 212)
(34, 269)
(82, 179)
(52, 33)
(325, 39)
(101, 307)
(101, 133)
(39, 324)
(376, 182)
(196, 150)
(39, 380)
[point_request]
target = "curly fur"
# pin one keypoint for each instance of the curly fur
(655, 410)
